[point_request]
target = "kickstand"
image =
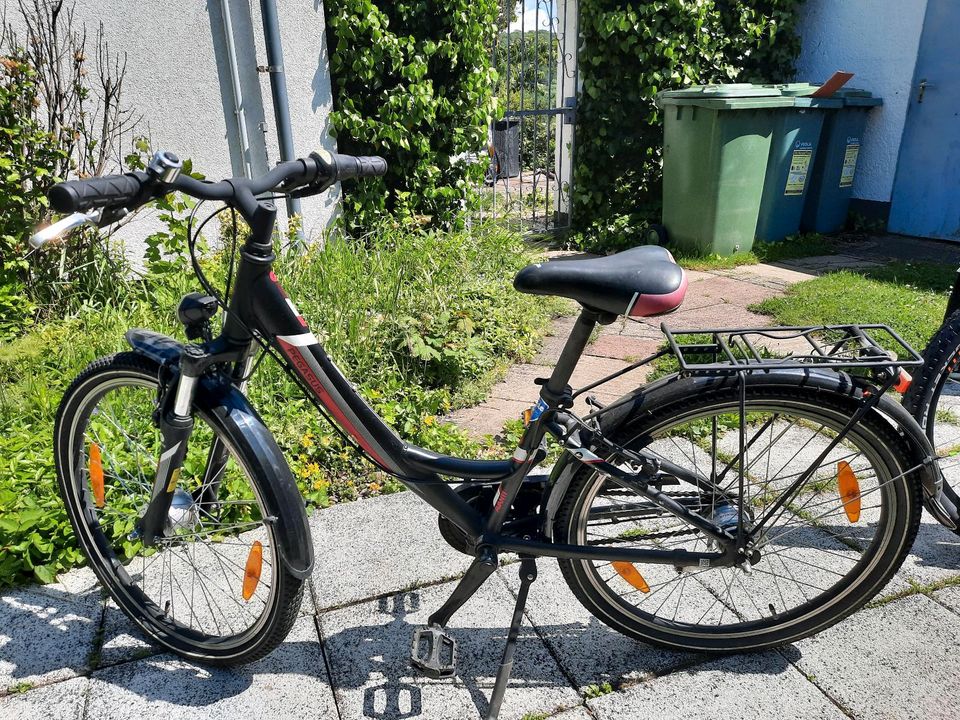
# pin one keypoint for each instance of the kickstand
(528, 573)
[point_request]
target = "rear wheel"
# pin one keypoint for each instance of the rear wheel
(829, 549)
(214, 588)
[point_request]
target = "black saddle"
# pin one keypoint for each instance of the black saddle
(639, 282)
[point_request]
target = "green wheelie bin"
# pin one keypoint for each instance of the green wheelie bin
(715, 149)
(831, 182)
(793, 152)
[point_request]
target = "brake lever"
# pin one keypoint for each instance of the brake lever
(63, 227)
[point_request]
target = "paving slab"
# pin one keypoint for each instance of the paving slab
(373, 547)
(589, 652)
(555, 339)
(949, 597)
(713, 290)
(486, 418)
(894, 661)
(58, 701)
(368, 646)
(46, 634)
(770, 275)
(612, 344)
(739, 686)
(828, 263)
(717, 315)
(646, 330)
(935, 555)
(291, 682)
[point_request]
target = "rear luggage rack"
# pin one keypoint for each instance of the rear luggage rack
(734, 350)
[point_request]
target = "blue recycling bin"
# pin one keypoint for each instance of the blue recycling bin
(793, 152)
(835, 165)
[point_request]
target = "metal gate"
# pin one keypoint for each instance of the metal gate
(529, 178)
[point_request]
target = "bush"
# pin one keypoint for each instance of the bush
(411, 81)
(422, 322)
(28, 158)
(630, 51)
(61, 114)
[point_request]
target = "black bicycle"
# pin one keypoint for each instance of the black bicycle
(760, 493)
(934, 400)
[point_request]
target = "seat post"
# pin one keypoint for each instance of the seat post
(572, 352)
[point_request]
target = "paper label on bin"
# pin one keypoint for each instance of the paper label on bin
(799, 166)
(849, 162)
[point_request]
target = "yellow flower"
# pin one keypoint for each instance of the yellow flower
(374, 487)
(307, 440)
(429, 420)
(311, 469)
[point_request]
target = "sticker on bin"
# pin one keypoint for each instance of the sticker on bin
(799, 166)
(849, 162)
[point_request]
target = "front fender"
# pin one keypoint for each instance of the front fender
(251, 439)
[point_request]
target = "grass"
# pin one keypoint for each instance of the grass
(915, 588)
(422, 322)
(762, 252)
(594, 691)
(909, 297)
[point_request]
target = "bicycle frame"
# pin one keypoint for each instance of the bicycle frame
(260, 304)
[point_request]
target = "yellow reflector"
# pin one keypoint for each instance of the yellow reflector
(629, 573)
(251, 573)
(849, 489)
(95, 465)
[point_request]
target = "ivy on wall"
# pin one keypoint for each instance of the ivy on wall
(411, 82)
(631, 51)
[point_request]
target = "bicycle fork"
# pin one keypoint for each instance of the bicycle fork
(176, 425)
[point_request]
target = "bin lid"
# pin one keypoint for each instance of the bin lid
(731, 96)
(857, 97)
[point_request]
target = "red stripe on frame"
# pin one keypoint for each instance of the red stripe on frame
(295, 356)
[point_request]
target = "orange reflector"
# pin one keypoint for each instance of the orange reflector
(629, 573)
(849, 489)
(527, 416)
(251, 573)
(903, 382)
(95, 465)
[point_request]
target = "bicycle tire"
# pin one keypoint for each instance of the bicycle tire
(922, 400)
(898, 519)
(87, 401)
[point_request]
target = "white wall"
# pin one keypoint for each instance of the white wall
(178, 79)
(878, 41)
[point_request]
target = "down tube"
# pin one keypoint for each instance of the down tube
(351, 412)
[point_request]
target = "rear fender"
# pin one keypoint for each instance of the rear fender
(245, 429)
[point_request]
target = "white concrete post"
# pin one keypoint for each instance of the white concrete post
(568, 39)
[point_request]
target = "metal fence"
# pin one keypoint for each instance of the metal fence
(531, 143)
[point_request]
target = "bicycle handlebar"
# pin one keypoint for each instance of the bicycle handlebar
(306, 176)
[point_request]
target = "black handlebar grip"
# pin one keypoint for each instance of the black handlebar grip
(358, 166)
(108, 191)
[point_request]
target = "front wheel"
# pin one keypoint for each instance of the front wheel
(832, 546)
(214, 588)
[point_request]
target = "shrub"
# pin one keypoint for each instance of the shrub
(411, 81)
(62, 114)
(28, 158)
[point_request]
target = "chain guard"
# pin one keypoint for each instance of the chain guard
(480, 497)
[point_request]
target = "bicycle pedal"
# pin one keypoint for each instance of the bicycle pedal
(433, 652)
